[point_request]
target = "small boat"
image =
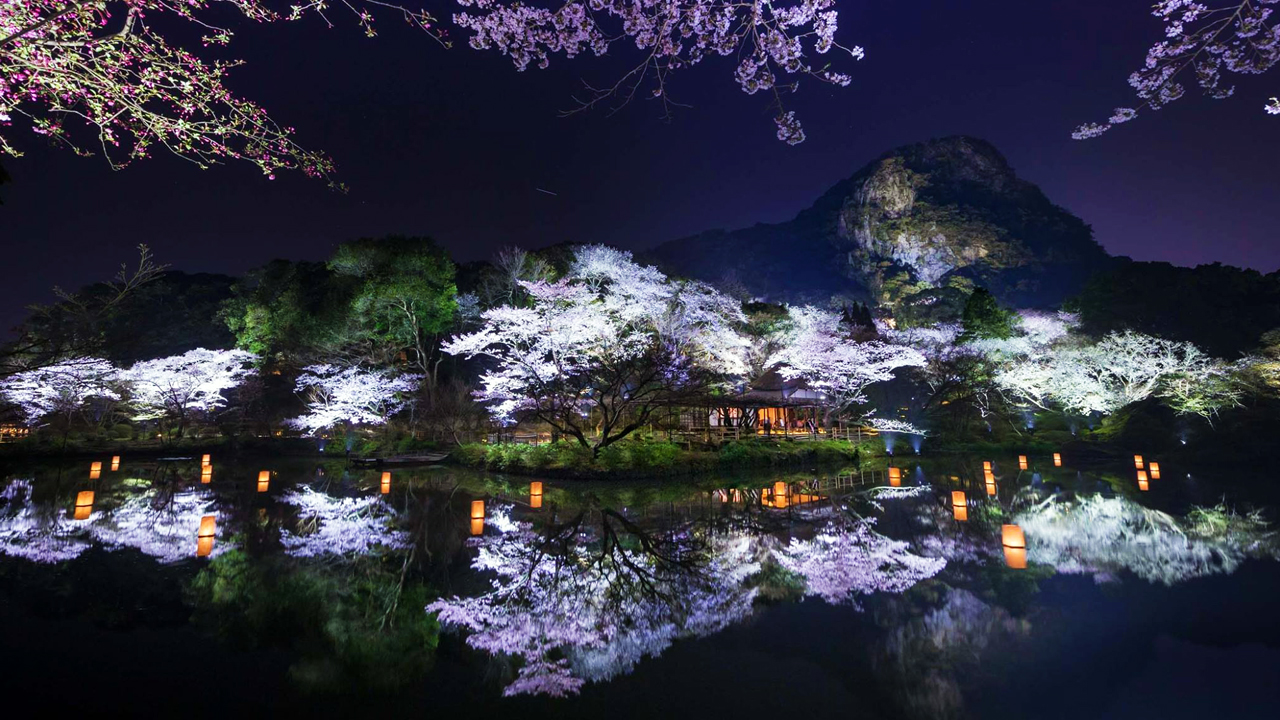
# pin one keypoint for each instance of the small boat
(423, 459)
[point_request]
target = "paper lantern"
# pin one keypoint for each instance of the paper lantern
(1142, 481)
(1155, 470)
(895, 476)
(205, 536)
(386, 483)
(115, 463)
(959, 505)
(986, 464)
(1015, 546)
(204, 460)
(991, 486)
(1137, 461)
(535, 495)
(84, 505)
(95, 470)
(1022, 462)
(477, 527)
(264, 480)
(1057, 460)
(477, 509)
(206, 474)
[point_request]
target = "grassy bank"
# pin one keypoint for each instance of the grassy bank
(649, 458)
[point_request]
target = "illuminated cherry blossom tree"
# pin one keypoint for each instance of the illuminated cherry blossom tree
(108, 66)
(179, 385)
(61, 388)
(351, 396)
(1203, 38)
(604, 347)
(771, 42)
(817, 350)
(1123, 368)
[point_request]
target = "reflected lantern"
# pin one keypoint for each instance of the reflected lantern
(1057, 459)
(115, 463)
(84, 505)
(1137, 461)
(95, 470)
(386, 482)
(1022, 462)
(204, 460)
(477, 517)
(206, 474)
(1142, 481)
(780, 492)
(991, 485)
(1015, 546)
(535, 495)
(204, 537)
(959, 506)
(895, 476)
(264, 480)
(1155, 470)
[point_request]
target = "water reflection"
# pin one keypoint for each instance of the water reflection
(557, 585)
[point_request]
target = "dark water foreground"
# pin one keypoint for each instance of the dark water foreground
(278, 587)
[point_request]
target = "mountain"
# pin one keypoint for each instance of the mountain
(918, 226)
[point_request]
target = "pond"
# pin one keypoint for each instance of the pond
(938, 588)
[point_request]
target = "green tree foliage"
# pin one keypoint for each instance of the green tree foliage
(983, 318)
(405, 297)
(293, 312)
(1223, 309)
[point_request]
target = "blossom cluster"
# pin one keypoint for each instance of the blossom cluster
(1205, 39)
(350, 395)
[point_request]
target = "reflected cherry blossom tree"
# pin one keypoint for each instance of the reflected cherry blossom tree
(330, 526)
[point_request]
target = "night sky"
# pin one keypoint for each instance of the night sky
(455, 144)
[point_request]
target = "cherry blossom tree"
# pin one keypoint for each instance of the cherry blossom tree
(1123, 368)
(60, 389)
(351, 396)
(178, 385)
(1202, 38)
(817, 350)
(770, 42)
(604, 347)
(112, 67)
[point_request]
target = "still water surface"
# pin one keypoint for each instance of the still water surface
(285, 586)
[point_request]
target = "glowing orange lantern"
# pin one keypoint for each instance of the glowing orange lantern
(1155, 470)
(204, 536)
(1057, 460)
(95, 471)
(895, 476)
(991, 486)
(115, 463)
(206, 474)
(959, 505)
(1137, 461)
(204, 460)
(477, 509)
(1015, 546)
(535, 495)
(84, 505)
(386, 483)
(264, 480)
(1142, 481)
(986, 464)
(1022, 462)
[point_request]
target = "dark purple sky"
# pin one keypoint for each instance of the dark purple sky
(454, 143)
